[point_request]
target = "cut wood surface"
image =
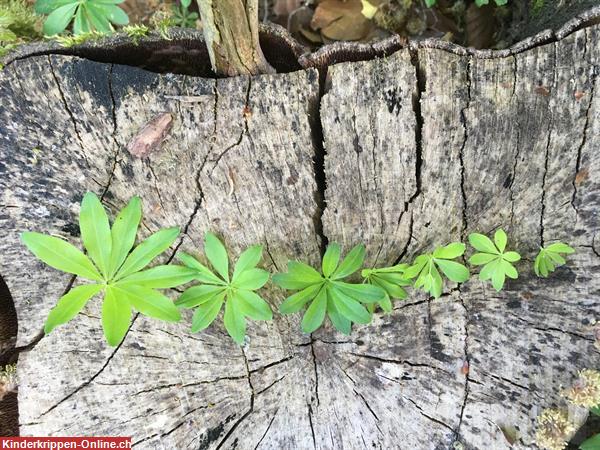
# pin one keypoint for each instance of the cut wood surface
(420, 148)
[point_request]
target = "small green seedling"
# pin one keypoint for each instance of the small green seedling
(549, 258)
(236, 292)
(136, 32)
(182, 17)
(87, 15)
(391, 280)
(113, 270)
(326, 291)
(425, 268)
(497, 264)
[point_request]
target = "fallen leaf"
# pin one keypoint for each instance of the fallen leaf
(579, 95)
(581, 176)
(465, 368)
(542, 90)
(341, 20)
(151, 135)
(480, 26)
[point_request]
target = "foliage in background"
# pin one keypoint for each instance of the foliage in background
(237, 292)
(86, 15)
(497, 264)
(549, 258)
(326, 291)
(391, 280)
(113, 267)
(425, 268)
(554, 428)
(18, 23)
(8, 379)
(182, 16)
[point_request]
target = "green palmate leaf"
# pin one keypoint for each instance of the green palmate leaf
(81, 23)
(595, 410)
(393, 290)
(237, 294)
(123, 233)
(331, 259)
(351, 263)
(365, 293)
(289, 281)
(592, 443)
(304, 272)
(247, 260)
(497, 264)
(251, 279)
(148, 301)
(95, 232)
(198, 295)
(253, 306)
(348, 307)
(116, 317)
(425, 268)
(549, 258)
(70, 304)
(294, 303)
(453, 270)
(61, 255)
(207, 312)
(315, 314)
(149, 249)
(217, 255)
(203, 273)
(340, 322)
(234, 321)
(59, 19)
(162, 277)
(450, 251)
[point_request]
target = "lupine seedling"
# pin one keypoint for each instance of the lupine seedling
(326, 291)
(425, 268)
(237, 291)
(391, 280)
(182, 16)
(87, 15)
(549, 258)
(113, 270)
(497, 264)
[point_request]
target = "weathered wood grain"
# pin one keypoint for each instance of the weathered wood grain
(420, 148)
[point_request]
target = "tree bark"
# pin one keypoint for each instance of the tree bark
(231, 33)
(419, 148)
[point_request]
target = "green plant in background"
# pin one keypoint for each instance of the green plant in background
(86, 15)
(113, 269)
(182, 16)
(549, 258)
(236, 292)
(391, 280)
(497, 264)
(425, 268)
(326, 291)
(18, 23)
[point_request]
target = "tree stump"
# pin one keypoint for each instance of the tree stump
(403, 152)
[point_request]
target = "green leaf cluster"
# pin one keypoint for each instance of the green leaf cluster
(182, 16)
(216, 289)
(115, 270)
(87, 15)
(327, 293)
(549, 258)
(391, 280)
(426, 268)
(496, 262)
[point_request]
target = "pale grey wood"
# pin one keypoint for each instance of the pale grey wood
(421, 147)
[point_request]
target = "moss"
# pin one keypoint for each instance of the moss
(71, 39)
(8, 379)
(136, 32)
